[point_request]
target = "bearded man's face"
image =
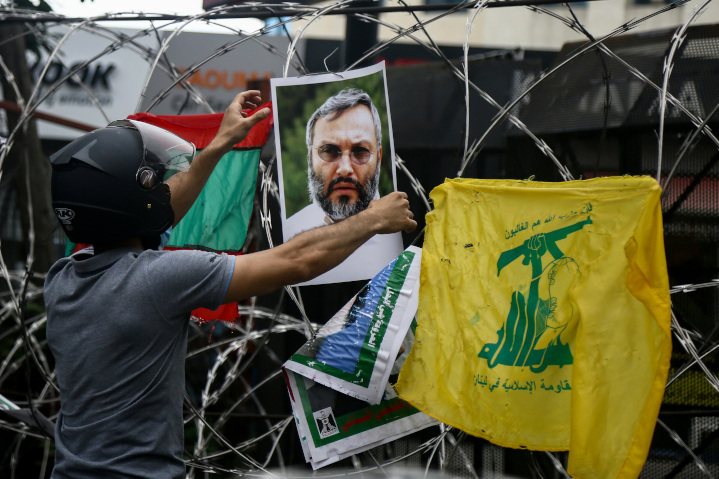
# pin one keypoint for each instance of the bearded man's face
(345, 166)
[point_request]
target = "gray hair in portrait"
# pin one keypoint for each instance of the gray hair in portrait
(337, 104)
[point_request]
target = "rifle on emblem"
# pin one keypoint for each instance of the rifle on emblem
(537, 246)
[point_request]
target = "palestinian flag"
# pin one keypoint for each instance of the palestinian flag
(220, 217)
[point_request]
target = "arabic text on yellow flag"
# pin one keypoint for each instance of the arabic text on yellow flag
(544, 317)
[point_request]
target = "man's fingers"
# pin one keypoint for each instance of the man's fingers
(409, 223)
(246, 95)
(257, 117)
(261, 115)
(412, 223)
(249, 99)
(394, 208)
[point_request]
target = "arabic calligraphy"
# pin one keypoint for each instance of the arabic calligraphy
(399, 404)
(508, 384)
(387, 302)
(514, 231)
(511, 233)
(367, 416)
(381, 413)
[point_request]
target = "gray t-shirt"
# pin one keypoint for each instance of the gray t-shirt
(117, 326)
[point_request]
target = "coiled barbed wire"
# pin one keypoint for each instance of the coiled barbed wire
(226, 356)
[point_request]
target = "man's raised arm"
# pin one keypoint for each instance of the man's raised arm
(316, 251)
(186, 187)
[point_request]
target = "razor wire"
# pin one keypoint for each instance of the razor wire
(225, 356)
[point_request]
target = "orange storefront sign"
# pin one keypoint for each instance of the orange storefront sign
(212, 79)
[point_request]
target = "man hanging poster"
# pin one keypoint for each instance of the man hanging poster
(335, 153)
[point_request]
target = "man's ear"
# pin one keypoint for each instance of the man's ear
(379, 156)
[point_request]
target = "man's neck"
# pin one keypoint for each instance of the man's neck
(127, 243)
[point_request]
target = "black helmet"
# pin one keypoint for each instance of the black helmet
(110, 184)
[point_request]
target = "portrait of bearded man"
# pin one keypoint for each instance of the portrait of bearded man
(335, 150)
(344, 154)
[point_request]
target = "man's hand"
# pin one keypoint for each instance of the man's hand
(236, 124)
(392, 213)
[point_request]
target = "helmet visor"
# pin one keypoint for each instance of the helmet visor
(165, 152)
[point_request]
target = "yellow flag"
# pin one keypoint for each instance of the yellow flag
(544, 318)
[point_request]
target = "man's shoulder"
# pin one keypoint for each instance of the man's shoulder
(87, 263)
(56, 269)
(183, 259)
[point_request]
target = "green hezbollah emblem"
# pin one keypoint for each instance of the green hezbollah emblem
(531, 336)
